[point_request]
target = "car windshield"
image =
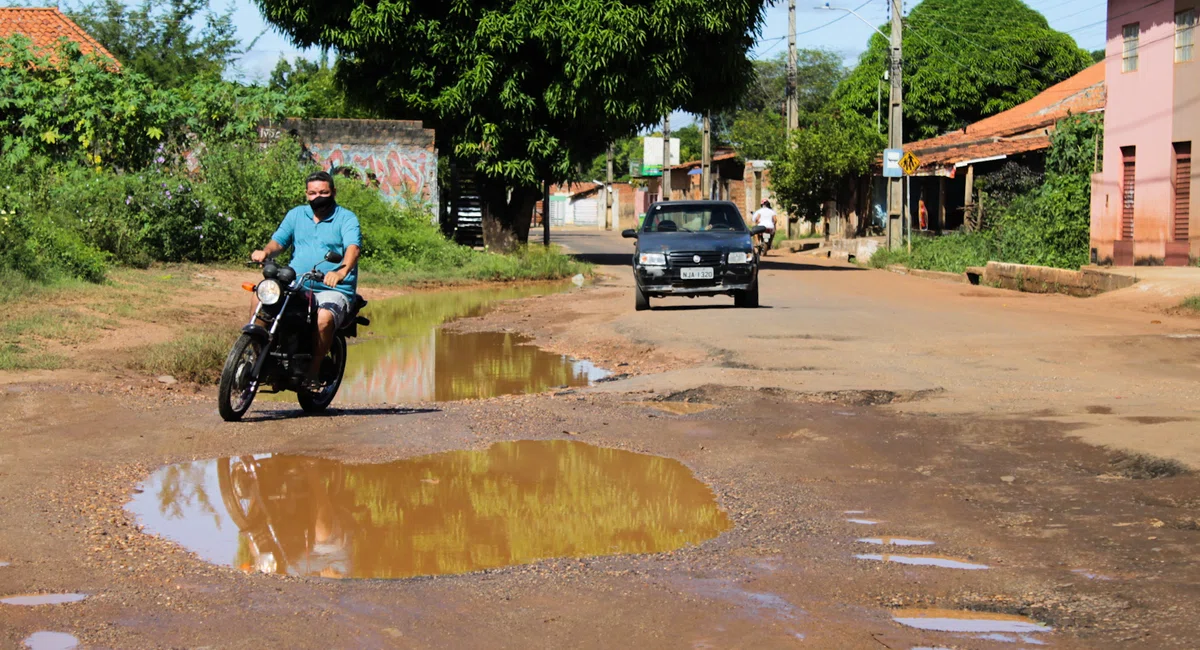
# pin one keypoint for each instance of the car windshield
(693, 218)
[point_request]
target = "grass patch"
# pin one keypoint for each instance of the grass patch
(1145, 466)
(952, 253)
(1192, 303)
(527, 264)
(196, 357)
(15, 357)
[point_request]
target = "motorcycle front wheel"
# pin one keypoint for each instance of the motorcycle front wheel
(234, 394)
(333, 366)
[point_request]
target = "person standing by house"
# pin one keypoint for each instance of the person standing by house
(766, 217)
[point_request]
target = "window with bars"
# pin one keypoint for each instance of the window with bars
(1129, 50)
(1185, 36)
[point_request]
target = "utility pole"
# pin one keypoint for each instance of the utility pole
(546, 213)
(666, 166)
(608, 189)
(706, 160)
(793, 104)
(895, 231)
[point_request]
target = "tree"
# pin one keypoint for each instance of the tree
(965, 60)
(759, 135)
(315, 85)
(157, 38)
(757, 127)
(826, 152)
(523, 90)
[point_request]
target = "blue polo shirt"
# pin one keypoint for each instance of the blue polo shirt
(312, 240)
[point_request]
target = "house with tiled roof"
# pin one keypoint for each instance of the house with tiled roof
(45, 27)
(943, 192)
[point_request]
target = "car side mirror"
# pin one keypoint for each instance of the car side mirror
(333, 256)
(629, 233)
(758, 230)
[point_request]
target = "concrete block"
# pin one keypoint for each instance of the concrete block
(1044, 279)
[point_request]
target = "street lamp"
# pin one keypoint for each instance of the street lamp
(855, 14)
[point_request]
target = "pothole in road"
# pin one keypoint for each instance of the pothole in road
(43, 599)
(406, 356)
(924, 560)
(952, 620)
(50, 641)
(895, 541)
(447, 513)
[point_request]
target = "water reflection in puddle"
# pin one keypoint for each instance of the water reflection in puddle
(682, 408)
(895, 541)
(454, 512)
(952, 620)
(1090, 575)
(405, 356)
(43, 599)
(3, 564)
(864, 522)
(50, 641)
(924, 560)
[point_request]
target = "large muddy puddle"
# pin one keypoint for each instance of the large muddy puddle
(447, 513)
(405, 356)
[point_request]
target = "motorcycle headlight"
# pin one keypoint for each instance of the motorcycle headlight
(268, 292)
(739, 258)
(652, 259)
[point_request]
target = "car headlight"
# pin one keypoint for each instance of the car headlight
(268, 292)
(652, 259)
(741, 257)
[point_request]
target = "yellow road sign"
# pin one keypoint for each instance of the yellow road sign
(909, 163)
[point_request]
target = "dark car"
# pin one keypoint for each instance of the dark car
(695, 248)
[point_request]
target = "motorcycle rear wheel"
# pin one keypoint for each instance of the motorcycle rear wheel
(333, 366)
(234, 396)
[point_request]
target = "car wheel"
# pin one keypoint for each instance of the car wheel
(747, 298)
(641, 302)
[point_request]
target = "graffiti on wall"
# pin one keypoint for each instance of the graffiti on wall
(401, 171)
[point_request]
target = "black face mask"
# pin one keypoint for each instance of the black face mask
(321, 203)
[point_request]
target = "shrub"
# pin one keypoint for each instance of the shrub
(38, 245)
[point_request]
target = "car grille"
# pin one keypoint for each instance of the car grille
(684, 258)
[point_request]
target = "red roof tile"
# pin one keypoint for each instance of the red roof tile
(1022, 128)
(44, 26)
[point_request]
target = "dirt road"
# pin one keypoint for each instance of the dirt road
(855, 405)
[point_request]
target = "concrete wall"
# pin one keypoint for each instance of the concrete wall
(400, 153)
(1138, 114)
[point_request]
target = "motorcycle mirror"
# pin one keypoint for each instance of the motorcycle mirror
(333, 256)
(286, 275)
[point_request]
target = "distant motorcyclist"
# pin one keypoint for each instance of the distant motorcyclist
(765, 217)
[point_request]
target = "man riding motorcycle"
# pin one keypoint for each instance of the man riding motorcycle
(765, 217)
(320, 227)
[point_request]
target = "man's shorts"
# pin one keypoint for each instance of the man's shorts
(336, 303)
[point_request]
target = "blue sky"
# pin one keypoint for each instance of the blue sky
(847, 36)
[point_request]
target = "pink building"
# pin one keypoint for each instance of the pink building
(1144, 205)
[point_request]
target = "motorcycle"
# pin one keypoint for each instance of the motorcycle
(275, 348)
(763, 243)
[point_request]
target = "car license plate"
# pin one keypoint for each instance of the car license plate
(705, 273)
